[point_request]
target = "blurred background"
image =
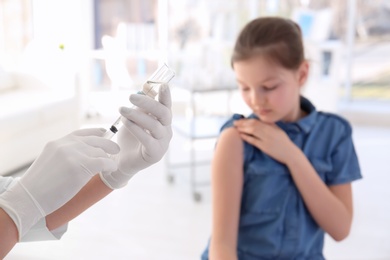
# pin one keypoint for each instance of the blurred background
(70, 64)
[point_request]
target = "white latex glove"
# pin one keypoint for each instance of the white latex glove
(145, 137)
(61, 170)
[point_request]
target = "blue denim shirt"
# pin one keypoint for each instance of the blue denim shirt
(274, 221)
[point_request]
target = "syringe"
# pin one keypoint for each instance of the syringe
(150, 88)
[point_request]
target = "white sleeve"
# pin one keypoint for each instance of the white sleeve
(39, 231)
(5, 182)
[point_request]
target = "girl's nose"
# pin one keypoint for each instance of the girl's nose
(257, 98)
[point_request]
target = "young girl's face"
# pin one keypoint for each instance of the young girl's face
(271, 91)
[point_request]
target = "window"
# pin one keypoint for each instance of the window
(15, 29)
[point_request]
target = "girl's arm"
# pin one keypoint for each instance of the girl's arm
(91, 193)
(331, 207)
(227, 182)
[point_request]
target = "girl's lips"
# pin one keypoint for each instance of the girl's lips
(264, 111)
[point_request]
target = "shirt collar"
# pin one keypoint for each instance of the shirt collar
(306, 123)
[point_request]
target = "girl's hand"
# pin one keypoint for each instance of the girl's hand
(269, 138)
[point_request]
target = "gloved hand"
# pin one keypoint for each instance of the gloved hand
(61, 170)
(145, 137)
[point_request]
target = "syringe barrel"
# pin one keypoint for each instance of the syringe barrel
(152, 86)
(162, 75)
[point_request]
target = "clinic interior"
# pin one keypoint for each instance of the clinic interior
(70, 64)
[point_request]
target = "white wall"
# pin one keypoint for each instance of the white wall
(69, 23)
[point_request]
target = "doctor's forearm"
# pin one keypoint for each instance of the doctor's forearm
(91, 193)
(8, 234)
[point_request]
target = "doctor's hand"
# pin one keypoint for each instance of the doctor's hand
(61, 170)
(145, 137)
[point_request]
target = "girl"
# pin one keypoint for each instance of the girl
(282, 177)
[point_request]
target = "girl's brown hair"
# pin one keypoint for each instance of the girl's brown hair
(277, 39)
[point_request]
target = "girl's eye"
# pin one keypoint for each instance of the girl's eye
(244, 89)
(270, 88)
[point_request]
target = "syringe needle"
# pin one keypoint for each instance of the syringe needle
(114, 128)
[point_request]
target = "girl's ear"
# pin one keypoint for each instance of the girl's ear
(303, 73)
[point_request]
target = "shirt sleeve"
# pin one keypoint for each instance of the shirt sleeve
(248, 148)
(39, 231)
(344, 160)
(229, 123)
